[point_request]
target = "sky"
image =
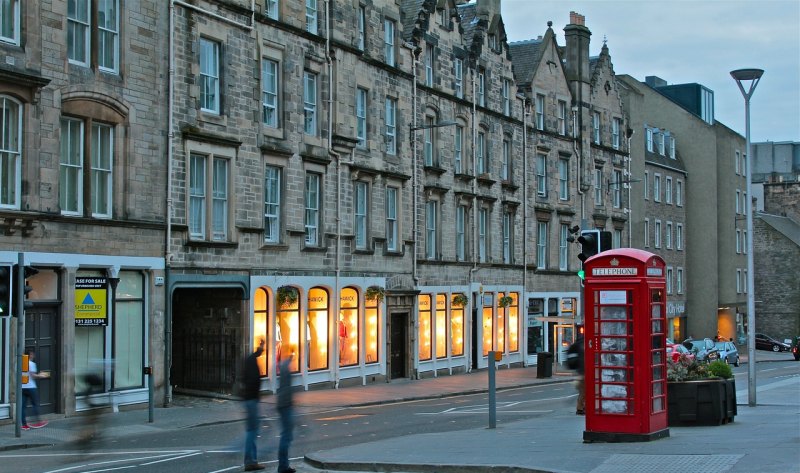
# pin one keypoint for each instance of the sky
(691, 41)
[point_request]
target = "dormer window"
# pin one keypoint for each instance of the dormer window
(492, 42)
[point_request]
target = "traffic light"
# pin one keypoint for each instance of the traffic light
(5, 291)
(22, 295)
(29, 272)
(590, 244)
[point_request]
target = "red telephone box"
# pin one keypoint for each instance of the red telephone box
(625, 340)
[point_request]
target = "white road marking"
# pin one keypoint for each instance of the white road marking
(171, 459)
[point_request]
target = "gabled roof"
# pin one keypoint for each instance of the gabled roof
(469, 21)
(784, 225)
(417, 15)
(525, 57)
(652, 157)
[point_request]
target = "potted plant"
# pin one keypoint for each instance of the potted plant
(699, 393)
(375, 293)
(505, 301)
(287, 296)
(460, 300)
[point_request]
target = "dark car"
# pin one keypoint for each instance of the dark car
(765, 342)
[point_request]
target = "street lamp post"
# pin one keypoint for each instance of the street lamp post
(751, 77)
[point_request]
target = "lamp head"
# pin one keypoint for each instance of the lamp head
(747, 74)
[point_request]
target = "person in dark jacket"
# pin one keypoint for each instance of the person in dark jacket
(251, 395)
(577, 350)
(286, 412)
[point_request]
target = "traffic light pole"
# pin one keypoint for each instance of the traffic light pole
(17, 292)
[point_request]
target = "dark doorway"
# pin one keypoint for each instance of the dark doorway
(399, 346)
(41, 327)
(207, 340)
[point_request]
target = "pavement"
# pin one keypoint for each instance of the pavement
(764, 438)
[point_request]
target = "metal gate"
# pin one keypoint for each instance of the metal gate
(206, 359)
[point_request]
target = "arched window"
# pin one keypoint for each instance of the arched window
(260, 317)
(288, 334)
(348, 327)
(317, 329)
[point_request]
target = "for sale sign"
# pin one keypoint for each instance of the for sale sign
(91, 297)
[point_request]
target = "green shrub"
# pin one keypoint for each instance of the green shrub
(720, 369)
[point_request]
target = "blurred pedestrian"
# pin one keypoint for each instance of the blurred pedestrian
(285, 411)
(575, 362)
(30, 392)
(251, 395)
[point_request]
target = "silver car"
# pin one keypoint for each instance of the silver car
(728, 352)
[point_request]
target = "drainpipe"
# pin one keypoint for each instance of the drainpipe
(474, 217)
(168, 243)
(629, 184)
(525, 113)
(415, 165)
(338, 158)
(579, 153)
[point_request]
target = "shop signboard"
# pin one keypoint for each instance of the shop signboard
(91, 298)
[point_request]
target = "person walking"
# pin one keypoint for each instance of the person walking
(575, 362)
(30, 392)
(251, 395)
(285, 411)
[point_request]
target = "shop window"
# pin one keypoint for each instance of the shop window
(317, 329)
(424, 327)
(512, 314)
(456, 328)
(535, 327)
(441, 326)
(129, 331)
(500, 342)
(487, 323)
(288, 333)
(348, 327)
(372, 313)
(260, 317)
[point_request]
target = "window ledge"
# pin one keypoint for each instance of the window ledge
(315, 249)
(464, 177)
(486, 179)
(435, 170)
(510, 186)
(274, 247)
(211, 244)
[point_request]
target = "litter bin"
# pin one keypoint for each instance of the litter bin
(544, 364)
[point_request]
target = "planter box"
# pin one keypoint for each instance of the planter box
(702, 402)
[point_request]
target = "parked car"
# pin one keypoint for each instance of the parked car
(796, 348)
(704, 350)
(675, 350)
(728, 352)
(765, 342)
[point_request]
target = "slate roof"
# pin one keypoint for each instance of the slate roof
(786, 226)
(655, 158)
(410, 10)
(469, 21)
(525, 57)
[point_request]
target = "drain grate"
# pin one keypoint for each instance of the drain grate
(632, 463)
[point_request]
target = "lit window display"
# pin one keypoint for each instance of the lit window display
(487, 323)
(288, 334)
(500, 345)
(513, 323)
(456, 328)
(535, 327)
(348, 327)
(441, 326)
(260, 327)
(317, 328)
(371, 312)
(424, 327)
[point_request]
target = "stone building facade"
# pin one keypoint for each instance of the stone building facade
(354, 182)
(83, 196)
